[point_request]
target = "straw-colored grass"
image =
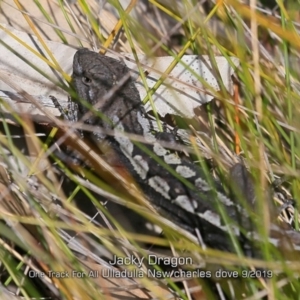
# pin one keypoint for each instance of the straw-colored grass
(44, 234)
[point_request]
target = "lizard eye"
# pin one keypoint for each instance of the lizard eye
(86, 80)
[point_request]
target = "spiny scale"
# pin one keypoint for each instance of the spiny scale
(176, 187)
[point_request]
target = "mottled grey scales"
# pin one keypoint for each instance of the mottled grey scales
(182, 192)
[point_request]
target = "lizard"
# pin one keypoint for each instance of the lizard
(175, 186)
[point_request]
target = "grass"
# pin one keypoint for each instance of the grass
(38, 236)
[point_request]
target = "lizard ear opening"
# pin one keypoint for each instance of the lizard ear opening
(86, 80)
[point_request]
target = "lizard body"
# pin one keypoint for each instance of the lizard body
(177, 188)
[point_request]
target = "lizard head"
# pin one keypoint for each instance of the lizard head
(105, 84)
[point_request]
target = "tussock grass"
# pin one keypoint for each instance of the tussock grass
(44, 228)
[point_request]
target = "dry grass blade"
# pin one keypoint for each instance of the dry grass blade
(63, 220)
